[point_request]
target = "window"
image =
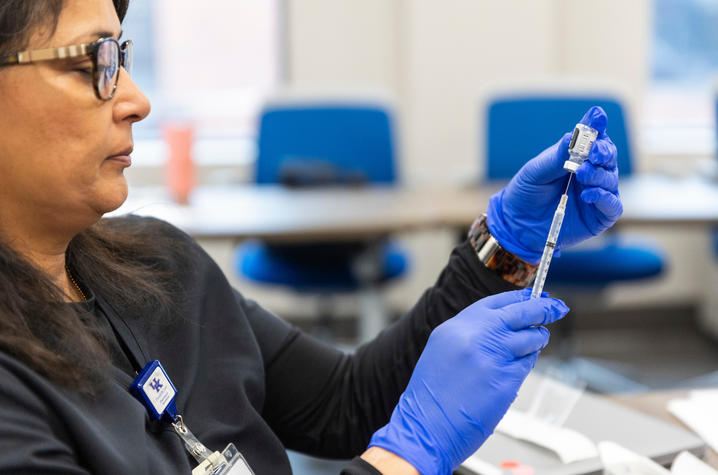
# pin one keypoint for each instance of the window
(681, 97)
(685, 42)
(138, 27)
(211, 62)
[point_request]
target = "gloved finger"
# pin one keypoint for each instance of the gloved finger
(526, 341)
(604, 153)
(596, 117)
(533, 312)
(593, 176)
(527, 362)
(504, 298)
(606, 202)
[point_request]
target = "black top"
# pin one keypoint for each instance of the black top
(242, 375)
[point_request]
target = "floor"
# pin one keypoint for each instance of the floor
(632, 350)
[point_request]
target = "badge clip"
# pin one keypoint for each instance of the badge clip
(154, 389)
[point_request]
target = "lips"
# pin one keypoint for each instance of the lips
(125, 160)
(122, 157)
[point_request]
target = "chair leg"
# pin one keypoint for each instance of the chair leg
(372, 308)
(597, 376)
(566, 339)
(373, 316)
(325, 319)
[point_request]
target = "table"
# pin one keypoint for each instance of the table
(661, 200)
(599, 418)
(654, 404)
(277, 214)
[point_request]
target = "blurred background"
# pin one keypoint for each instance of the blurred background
(437, 65)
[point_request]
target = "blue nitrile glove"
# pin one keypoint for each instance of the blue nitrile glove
(519, 216)
(466, 378)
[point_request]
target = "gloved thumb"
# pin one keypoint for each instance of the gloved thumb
(547, 167)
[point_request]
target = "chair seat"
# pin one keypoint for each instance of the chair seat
(613, 262)
(316, 267)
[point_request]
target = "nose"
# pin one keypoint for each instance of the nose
(130, 103)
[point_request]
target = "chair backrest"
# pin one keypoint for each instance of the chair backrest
(354, 139)
(519, 127)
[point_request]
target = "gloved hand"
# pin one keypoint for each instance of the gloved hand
(466, 378)
(519, 216)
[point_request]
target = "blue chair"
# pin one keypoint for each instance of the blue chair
(318, 144)
(584, 269)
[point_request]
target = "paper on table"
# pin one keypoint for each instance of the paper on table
(688, 464)
(555, 398)
(699, 413)
(569, 445)
(618, 460)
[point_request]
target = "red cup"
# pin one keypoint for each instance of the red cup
(179, 167)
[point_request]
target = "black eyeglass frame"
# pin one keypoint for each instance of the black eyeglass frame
(75, 51)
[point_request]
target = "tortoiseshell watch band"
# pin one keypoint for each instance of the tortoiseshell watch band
(508, 266)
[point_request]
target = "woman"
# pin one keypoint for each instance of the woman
(87, 303)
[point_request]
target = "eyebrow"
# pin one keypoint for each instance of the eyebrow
(97, 35)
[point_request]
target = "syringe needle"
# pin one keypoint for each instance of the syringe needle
(570, 175)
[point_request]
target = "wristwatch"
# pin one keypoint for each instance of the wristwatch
(508, 266)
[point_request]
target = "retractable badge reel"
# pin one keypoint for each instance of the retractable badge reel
(156, 392)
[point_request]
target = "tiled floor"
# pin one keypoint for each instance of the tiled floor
(654, 348)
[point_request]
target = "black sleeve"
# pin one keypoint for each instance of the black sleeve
(326, 403)
(359, 467)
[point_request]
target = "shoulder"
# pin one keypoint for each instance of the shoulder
(147, 227)
(152, 238)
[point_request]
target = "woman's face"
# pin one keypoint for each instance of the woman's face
(57, 139)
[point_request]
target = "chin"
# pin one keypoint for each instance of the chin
(112, 197)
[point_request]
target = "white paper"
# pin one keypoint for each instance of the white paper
(618, 460)
(688, 464)
(699, 413)
(569, 445)
(554, 400)
(710, 395)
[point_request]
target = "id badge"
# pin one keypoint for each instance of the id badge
(154, 389)
(235, 465)
(229, 462)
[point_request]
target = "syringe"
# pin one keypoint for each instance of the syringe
(578, 150)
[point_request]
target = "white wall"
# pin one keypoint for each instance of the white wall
(353, 43)
(452, 49)
(437, 56)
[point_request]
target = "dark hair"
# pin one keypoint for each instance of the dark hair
(35, 326)
(20, 18)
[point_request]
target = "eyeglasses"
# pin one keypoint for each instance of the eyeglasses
(107, 56)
